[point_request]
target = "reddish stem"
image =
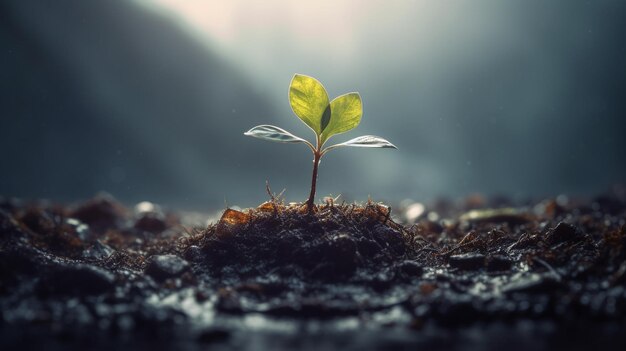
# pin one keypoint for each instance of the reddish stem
(316, 161)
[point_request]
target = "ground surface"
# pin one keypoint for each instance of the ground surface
(453, 275)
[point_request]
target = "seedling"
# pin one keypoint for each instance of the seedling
(309, 101)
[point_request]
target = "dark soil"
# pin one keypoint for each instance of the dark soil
(480, 275)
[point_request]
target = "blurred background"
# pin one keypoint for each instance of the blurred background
(149, 99)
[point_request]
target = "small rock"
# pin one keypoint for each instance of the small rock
(153, 222)
(161, 267)
(101, 213)
(413, 212)
(433, 227)
(563, 232)
(78, 228)
(467, 262)
(98, 251)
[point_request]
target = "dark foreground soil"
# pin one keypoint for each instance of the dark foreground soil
(550, 274)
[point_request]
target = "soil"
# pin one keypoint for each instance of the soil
(480, 274)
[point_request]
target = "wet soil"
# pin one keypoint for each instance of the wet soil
(478, 274)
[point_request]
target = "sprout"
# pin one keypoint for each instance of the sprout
(309, 101)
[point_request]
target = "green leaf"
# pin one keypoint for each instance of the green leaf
(345, 114)
(273, 133)
(308, 100)
(364, 141)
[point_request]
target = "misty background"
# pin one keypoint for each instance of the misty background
(149, 99)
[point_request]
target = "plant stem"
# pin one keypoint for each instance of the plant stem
(316, 161)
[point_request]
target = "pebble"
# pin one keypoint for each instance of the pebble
(153, 222)
(161, 267)
(467, 262)
(78, 228)
(563, 232)
(101, 213)
(98, 251)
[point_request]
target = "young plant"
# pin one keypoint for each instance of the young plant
(309, 101)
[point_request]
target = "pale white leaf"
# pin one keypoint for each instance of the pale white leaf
(364, 141)
(273, 133)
